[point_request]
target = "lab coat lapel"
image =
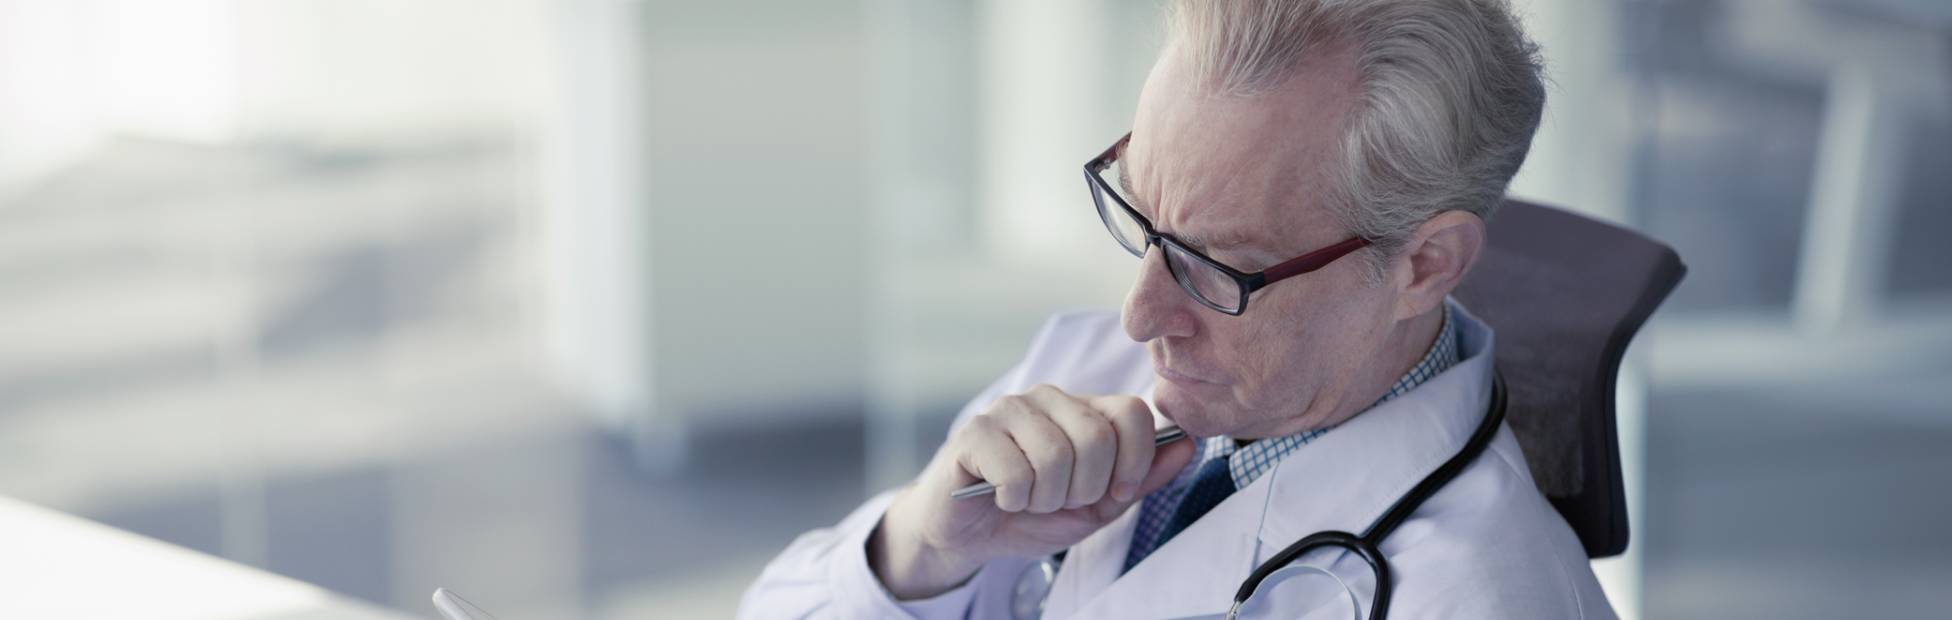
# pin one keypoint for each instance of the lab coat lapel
(1195, 573)
(1091, 565)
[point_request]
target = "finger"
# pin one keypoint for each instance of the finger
(1132, 420)
(1094, 445)
(1050, 455)
(990, 454)
(1168, 461)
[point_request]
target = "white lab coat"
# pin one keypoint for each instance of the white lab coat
(1487, 546)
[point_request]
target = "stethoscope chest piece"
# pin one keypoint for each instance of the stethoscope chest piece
(1033, 586)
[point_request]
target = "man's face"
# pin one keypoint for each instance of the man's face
(1241, 178)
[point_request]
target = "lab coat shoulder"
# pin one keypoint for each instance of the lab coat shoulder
(1085, 352)
(1490, 546)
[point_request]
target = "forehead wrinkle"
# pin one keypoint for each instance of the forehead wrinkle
(1268, 190)
(1220, 192)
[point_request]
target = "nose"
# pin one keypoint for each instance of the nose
(1157, 307)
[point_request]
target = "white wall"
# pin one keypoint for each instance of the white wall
(389, 70)
(755, 176)
(74, 73)
(595, 307)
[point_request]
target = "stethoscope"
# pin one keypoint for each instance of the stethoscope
(1036, 580)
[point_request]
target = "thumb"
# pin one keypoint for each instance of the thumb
(1166, 463)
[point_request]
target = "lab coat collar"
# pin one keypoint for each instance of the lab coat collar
(1341, 481)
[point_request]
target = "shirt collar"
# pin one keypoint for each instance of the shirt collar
(1248, 463)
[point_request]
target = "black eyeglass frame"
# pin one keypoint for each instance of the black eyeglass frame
(1247, 282)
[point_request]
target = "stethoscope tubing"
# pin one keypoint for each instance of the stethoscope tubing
(1367, 545)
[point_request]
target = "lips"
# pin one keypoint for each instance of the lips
(1177, 376)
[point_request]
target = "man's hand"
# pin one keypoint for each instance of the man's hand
(1063, 467)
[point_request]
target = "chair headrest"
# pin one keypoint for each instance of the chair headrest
(1565, 294)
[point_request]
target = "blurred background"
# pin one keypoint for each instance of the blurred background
(586, 308)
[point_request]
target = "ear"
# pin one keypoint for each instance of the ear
(1434, 260)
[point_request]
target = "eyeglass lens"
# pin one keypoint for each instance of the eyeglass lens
(1201, 279)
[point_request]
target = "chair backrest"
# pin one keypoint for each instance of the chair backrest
(1565, 294)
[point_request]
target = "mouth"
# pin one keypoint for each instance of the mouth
(1175, 376)
(1182, 373)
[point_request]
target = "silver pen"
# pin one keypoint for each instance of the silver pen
(1165, 436)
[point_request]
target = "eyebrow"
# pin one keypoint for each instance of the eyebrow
(1204, 243)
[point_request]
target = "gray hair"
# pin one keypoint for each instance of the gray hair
(1449, 94)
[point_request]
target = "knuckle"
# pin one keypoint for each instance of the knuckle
(1097, 451)
(1009, 402)
(1048, 462)
(1003, 418)
(1008, 472)
(1095, 433)
(1011, 476)
(1130, 408)
(1051, 457)
(985, 423)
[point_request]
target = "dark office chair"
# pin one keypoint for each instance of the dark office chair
(1565, 294)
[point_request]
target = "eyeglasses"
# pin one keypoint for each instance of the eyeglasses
(1214, 285)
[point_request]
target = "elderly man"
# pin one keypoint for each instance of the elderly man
(1305, 183)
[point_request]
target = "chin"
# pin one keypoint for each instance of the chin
(1185, 408)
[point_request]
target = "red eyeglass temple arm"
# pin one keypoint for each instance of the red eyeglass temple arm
(1312, 260)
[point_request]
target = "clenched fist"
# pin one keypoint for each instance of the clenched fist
(1063, 466)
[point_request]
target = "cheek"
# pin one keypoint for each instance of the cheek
(1304, 348)
(1276, 357)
